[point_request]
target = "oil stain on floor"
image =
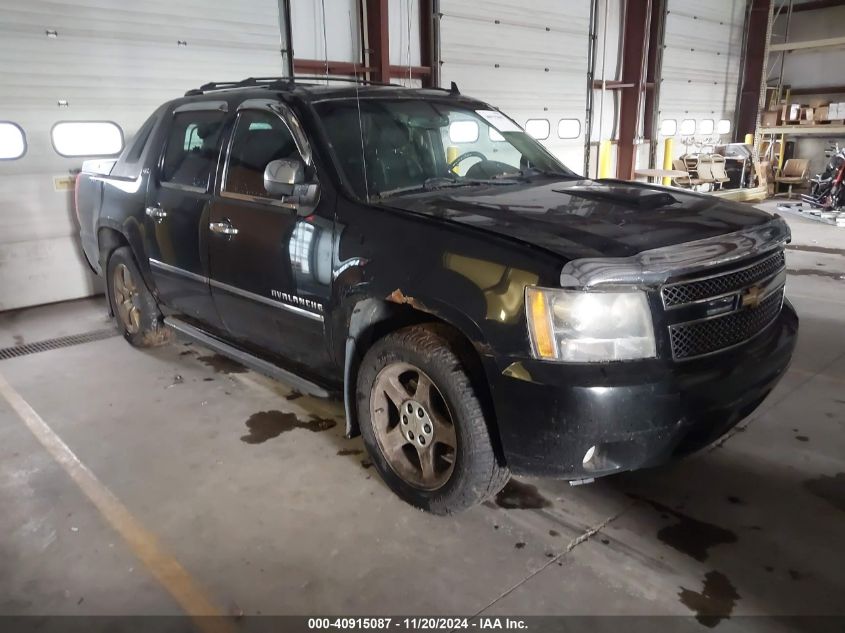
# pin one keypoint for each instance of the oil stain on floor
(222, 365)
(829, 488)
(715, 602)
(266, 425)
(520, 496)
(690, 536)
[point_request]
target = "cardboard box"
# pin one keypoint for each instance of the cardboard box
(821, 113)
(790, 112)
(769, 118)
(833, 111)
(806, 114)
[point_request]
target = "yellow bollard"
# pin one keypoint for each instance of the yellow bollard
(749, 139)
(451, 154)
(668, 156)
(604, 159)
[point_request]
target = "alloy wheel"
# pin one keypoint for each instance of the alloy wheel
(413, 426)
(126, 298)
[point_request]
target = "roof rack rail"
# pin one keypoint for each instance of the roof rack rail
(280, 82)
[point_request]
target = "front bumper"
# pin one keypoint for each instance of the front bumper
(635, 414)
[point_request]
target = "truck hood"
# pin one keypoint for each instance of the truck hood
(585, 218)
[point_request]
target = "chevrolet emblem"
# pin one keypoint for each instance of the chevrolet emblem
(752, 297)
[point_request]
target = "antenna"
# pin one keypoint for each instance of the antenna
(360, 123)
(325, 40)
(409, 42)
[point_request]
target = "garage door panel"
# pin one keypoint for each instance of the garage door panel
(109, 60)
(701, 62)
(531, 64)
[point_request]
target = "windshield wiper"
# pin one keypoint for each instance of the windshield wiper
(441, 182)
(533, 171)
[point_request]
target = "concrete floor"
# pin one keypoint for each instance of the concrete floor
(268, 509)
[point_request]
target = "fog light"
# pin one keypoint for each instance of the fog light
(588, 455)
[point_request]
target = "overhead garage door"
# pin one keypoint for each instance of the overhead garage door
(532, 64)
(701, 63)
(99, 60)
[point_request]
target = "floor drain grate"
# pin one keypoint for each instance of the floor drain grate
(57, 343)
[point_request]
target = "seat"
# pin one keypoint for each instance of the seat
(704, 170)
(682, 181)
(794, 173)
(717, 168)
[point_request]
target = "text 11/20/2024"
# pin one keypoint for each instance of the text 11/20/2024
(417, 624)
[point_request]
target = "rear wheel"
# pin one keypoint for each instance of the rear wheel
(134, 307)
(423, 424)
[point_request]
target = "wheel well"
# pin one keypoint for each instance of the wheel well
(386, 318)
(109, 240)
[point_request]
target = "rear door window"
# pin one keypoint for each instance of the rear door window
(193, 145)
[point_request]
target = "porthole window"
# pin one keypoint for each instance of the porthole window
(688, 127)
(12, 141)
(569, 128)
(705, 126)
(668, 127)
(538, 128)
(463, 131)
(87, 138)
(494, 134)
(724, 126)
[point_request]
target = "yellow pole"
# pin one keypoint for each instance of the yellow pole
(781, 152)
(604, 159)
(668, 156)
(451, 154)
(749, 139)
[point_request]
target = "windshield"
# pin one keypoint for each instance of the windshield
(404, 146)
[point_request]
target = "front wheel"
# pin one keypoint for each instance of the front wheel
(423, 424)
(133, 306)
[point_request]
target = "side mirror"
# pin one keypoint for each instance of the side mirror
(281, 176)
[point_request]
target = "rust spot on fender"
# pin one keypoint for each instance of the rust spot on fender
(397, 296)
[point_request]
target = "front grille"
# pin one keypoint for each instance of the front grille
(698, 338)
(683, 293)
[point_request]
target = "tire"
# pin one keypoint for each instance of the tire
(134, 307)
(415, 373)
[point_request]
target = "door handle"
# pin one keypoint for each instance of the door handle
(223, 228)
(156, 213)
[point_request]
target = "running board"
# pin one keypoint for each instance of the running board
(253, 362)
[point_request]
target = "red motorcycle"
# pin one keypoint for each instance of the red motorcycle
(828, 189)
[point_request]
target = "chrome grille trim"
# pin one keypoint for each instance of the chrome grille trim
(703, 337)
(701, 289)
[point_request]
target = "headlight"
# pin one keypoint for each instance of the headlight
(584, 327)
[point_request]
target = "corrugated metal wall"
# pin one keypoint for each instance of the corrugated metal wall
(532, 64)
(109, 60)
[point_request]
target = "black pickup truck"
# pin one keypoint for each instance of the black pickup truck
(482, 309)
